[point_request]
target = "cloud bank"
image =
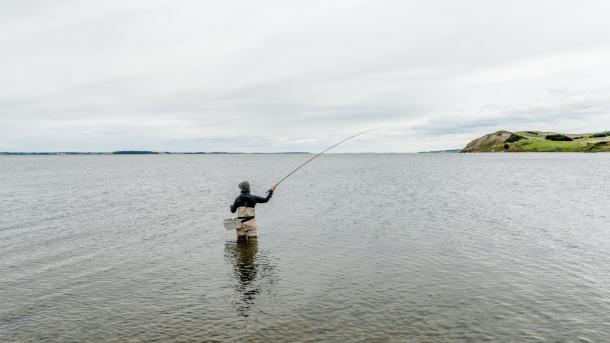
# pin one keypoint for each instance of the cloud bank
(297, 75)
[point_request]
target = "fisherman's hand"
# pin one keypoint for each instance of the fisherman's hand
(272, 189)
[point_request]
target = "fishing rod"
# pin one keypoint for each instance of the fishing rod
(319, 154)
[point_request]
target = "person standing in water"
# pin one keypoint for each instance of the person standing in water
(244, 205)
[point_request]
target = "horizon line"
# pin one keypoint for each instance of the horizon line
(148, 152)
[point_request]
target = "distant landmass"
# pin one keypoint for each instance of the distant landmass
(134, 152)
(143, 152)
(450, 151)
(540, 141)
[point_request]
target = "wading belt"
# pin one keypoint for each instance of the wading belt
(245, 219)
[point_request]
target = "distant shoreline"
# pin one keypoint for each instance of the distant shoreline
(449, 151)
(139, 152)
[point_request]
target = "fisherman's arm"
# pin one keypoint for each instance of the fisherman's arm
(262, 200)
(265, 199)
(235, 205)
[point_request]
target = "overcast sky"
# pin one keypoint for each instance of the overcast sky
(297, 75)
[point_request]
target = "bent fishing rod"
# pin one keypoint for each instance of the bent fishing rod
(320, 153)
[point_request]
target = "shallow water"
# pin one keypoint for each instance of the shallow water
(362, 247)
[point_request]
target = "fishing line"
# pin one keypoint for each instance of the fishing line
(319, 154)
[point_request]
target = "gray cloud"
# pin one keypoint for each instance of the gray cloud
(544, 116)
(292, 75)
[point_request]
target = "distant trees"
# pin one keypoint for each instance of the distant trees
(513, 138)
(558, 137)
(601, 134)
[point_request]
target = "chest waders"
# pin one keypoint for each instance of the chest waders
(248, 221)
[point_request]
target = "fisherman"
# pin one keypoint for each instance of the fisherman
(244, 205)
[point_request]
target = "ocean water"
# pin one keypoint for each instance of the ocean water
(353, 248)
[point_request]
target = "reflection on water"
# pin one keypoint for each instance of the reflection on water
(253, 270)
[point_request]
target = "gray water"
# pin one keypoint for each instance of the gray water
(353, 248)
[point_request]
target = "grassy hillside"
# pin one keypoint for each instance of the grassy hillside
(538, 141)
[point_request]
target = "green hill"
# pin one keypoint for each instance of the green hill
(539, 141)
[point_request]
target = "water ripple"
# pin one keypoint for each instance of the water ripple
(357, 248)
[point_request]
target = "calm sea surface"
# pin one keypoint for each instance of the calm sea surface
(353, 248)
